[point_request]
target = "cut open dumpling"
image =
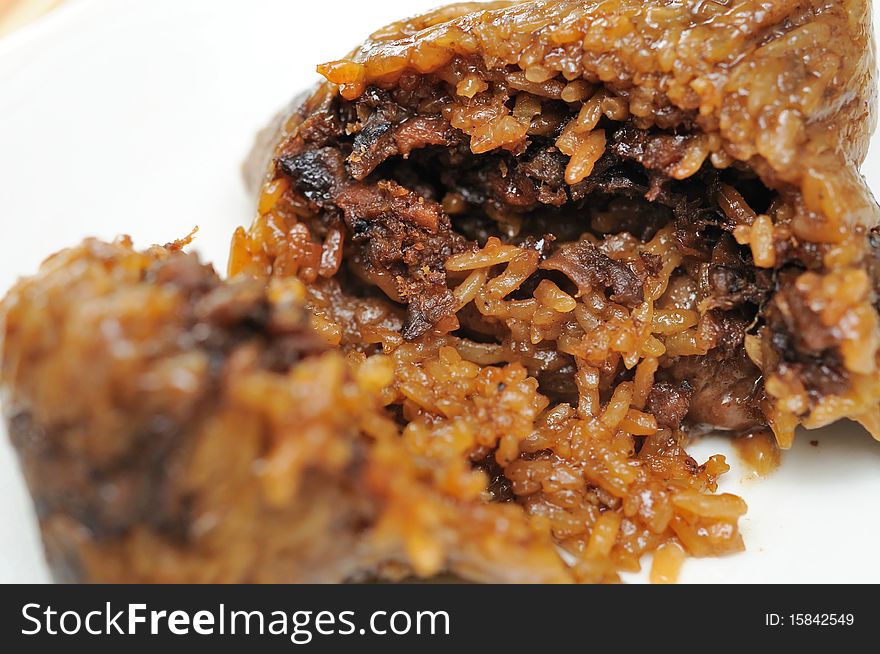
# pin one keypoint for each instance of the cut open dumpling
(552, 184)
(539, 245)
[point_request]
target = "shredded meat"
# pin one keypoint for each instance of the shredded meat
(725, 390)
(399, 235)
(587, 267)
(390, 132)
(669, 403)
(655, 151)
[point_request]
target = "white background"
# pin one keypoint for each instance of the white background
(134, 116)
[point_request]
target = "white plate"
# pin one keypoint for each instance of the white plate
(131, 116)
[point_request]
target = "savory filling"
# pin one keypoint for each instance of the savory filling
(593, 248)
